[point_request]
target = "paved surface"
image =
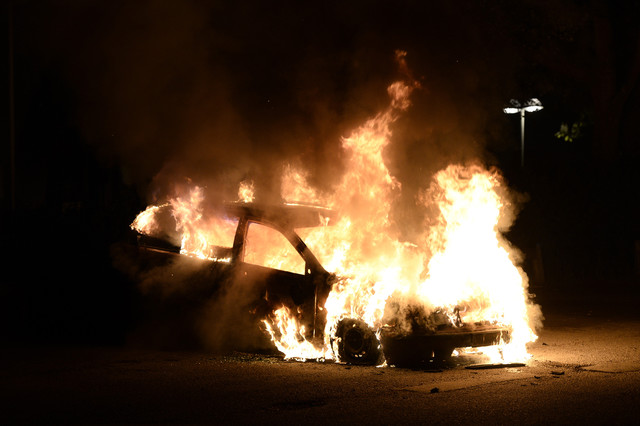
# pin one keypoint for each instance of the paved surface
(585, 369)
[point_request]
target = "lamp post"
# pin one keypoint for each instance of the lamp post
(515, 107)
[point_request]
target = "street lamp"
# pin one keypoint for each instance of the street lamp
(515, 107)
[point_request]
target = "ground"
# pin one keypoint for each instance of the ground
(585, 368)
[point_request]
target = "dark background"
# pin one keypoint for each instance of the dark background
(112, 103)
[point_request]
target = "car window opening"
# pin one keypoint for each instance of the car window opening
(265, 246)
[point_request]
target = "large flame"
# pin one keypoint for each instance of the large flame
(461, 265)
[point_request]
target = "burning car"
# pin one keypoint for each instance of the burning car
(289, 278)
(357, 281)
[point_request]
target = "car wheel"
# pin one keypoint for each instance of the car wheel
(443, 354)
(355, 343)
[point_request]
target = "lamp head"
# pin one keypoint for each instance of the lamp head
(513, 108)
(533, 105)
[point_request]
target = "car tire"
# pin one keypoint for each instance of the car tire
(354, 342)
(443, 354)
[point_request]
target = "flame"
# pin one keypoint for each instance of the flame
(202, 236)
(294, 187)
(246, 191)
(472, 265)
(146, 222)
(460, 265)
(288, 335)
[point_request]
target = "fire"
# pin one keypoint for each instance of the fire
(460, 266)
(471, 264)
(294, 186)
(146, 222)
(288, 336)
(200, 235)
(246, 191)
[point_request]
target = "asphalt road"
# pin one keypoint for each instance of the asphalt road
(585, 369)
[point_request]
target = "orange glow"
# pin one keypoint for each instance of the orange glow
(246, 191)
(461, 265)
(202, 237)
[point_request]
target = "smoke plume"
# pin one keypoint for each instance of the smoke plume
(211, 94)
(217, 93)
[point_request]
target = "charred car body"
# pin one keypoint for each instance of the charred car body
(304, 288)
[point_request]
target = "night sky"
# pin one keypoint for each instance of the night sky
(113, 103)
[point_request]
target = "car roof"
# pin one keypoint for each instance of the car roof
(286, 215)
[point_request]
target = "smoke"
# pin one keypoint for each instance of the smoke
(225, 325)
(188, 303)
(217, 92)
(213, 93)
(208, 91)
